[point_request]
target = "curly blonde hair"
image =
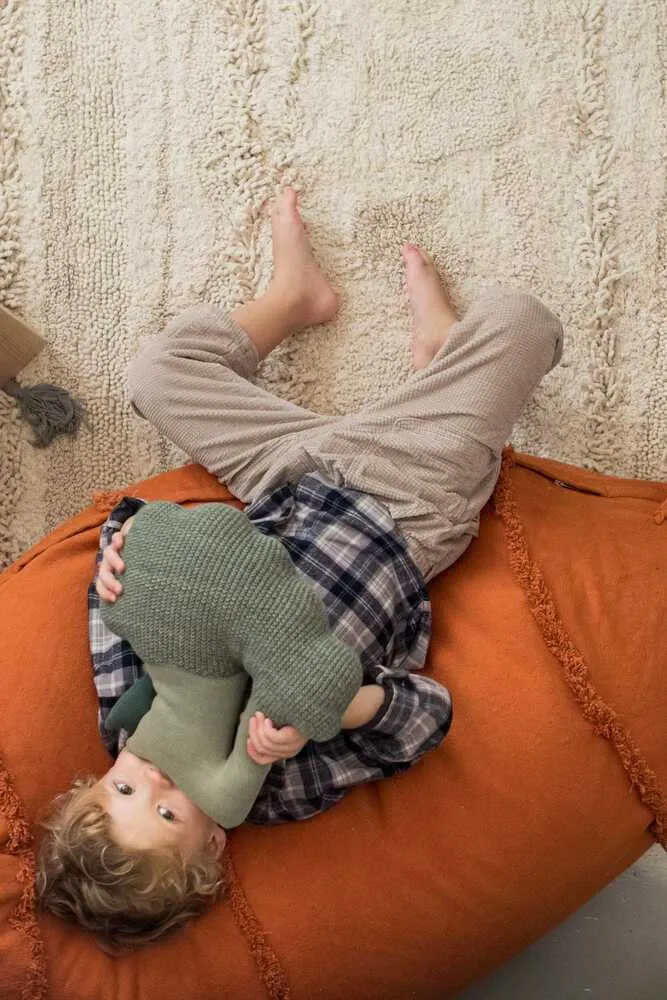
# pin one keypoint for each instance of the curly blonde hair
(125, 897)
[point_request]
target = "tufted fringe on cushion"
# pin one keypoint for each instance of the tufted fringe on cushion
(23, 919)
(269, 969)
(596, 711)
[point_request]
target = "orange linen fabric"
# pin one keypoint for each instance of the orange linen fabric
(549, 632)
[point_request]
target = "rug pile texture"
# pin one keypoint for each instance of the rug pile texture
(141, 143)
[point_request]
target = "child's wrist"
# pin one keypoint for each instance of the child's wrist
(365, 704)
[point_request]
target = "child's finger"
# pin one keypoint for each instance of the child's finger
(278, 741)
(254, 753)
(264, 740)
(109, 580)
(268, 731)
(259, 753)
(103, 593)
(266, 743)
(271, 742)
(118, 540)
(250, 742)
(279, 737)
(112, 558)
(255, 736)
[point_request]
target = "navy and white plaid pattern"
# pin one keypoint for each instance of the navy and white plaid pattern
(349, 548)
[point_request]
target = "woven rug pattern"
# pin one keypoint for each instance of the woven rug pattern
(520, 143)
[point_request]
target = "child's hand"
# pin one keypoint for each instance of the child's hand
(106, 584)
(267, 744)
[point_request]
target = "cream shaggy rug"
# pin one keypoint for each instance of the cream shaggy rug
(519, 142)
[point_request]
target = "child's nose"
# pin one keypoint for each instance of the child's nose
(159, 775)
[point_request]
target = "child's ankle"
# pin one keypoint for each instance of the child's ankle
(363, 706)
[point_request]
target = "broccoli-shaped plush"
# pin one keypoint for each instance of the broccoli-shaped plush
(226, 626)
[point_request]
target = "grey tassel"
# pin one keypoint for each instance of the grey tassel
(48, 409)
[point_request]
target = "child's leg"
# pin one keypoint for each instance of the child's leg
(191, 381)
(430, 450)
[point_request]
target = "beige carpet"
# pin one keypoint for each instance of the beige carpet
(519, 142)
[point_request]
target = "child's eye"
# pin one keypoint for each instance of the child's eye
(166, 814)
(123, 788)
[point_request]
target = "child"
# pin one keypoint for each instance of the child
(369, 506)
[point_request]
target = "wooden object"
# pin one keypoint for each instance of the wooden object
(19, 344)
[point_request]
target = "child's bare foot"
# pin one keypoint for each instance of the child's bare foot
(297, 278)
(432, 311)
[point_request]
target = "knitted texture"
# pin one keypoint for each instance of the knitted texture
(206, 592)
(225, 626)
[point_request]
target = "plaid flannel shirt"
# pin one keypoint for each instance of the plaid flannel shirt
(349, 548)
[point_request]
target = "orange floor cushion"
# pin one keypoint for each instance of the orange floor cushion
(549, 633)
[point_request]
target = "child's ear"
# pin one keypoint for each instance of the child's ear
(216, 841)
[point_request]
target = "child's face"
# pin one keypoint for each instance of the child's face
(148, 810)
